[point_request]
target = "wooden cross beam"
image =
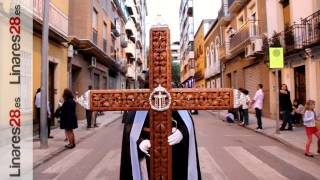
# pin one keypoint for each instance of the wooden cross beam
(160, 113)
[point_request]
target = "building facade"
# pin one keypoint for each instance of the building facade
(199, 51)
(296, 27)
(136, 42)
(57, 49)
(242, 26)
(175, 52)
(187, 64)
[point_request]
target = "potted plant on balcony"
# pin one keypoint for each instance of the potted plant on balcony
(288, 37)
(275, 40)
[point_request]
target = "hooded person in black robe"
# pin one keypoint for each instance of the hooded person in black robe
(185, 161)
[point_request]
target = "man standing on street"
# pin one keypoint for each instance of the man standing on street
(258, 105)
(37, 103)
(84, 102)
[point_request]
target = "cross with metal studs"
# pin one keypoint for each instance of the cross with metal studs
(171, 99)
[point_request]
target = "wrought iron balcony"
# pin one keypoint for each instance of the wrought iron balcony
(312, 25)
(250, 30)
(292, 39)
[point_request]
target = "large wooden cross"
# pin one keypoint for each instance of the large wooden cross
(160, 99)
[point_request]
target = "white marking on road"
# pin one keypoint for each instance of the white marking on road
(294, 160)
(110, 163)
(67, 162)
(209, 166)
(238, 135)
(258, 168)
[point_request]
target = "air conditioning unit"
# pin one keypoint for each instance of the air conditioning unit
(257, 45)
(248, 51)
(93, 62)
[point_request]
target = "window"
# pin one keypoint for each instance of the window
(104, 30)
(212, 54)
(217, 44)
(240, 20)
(95, 19)
(104, 35)
(207, 56)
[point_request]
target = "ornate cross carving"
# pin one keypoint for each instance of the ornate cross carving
(171, 99)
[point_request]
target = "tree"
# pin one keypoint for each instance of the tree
(175, 72)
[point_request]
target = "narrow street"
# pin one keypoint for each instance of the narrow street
(226, 152)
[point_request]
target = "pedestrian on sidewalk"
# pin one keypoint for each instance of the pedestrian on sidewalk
(258, 105)
(230, 116)
(298, 110)
(240, 110)
(68, 118)
(285, 108)
(236, 104)
(309, 121)
(84, 101)
(37, 103)
(245, 102)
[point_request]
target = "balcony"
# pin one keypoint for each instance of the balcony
(116, 28)
(139, 57)
(130, 28)
(131, 8)
(57, 19)
(130, 50)
(249, 31)
(236, 5)
(312, 25)
(292, 39)
(131, 71)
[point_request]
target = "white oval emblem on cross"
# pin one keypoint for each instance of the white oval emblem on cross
(160, 99)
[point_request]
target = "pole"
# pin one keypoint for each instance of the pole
(44, 78)
(277, 102)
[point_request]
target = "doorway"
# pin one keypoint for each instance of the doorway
(300, 84)
(51, 90)
(75, 75)
(228, 80)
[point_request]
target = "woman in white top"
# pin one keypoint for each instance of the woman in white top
(309, 121)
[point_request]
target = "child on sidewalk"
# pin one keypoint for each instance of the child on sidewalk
(309, 121)
(230, 116)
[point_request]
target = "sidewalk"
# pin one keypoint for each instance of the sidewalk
(294, 139)
(56, 145)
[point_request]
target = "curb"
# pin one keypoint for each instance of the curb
(62, 149)
(282, 141)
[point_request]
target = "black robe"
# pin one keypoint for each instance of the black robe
(179, 151)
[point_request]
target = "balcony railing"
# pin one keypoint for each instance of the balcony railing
(292, 39)
(312, 25)
(57, 19)
(251, 29)
(299, 36)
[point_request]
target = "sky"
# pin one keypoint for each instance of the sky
(169, 11)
